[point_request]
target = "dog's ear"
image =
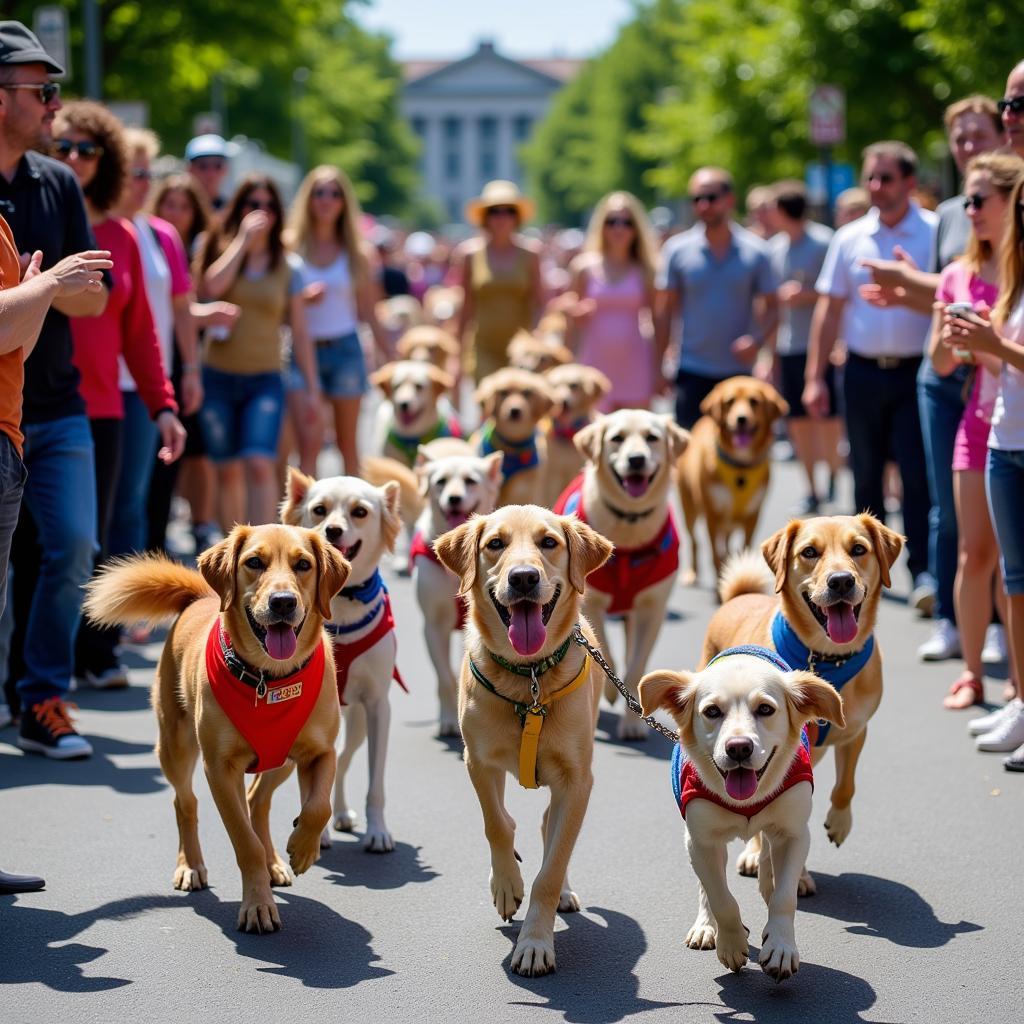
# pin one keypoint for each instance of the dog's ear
(391, 507)
(423, 460)
(588, 440)
(777, 550)
(588, 551)
(595, 383)
(382, 378)
(217, 564)
(542, 398)
(484, 397)
(295, 490)
(495, 472)
(332, 571)
(713, 404)
(887, 544)
(439, 380)
(775, 402)
(456, 550)
(812, 698)
(672, 691)
(678, 438)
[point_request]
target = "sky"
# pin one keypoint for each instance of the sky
(519, 28)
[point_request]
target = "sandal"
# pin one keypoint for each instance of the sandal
(965, 687)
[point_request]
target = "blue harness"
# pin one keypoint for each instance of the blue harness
(364, 593)
(517, 455)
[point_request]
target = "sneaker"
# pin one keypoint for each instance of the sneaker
(1007, 735)
(986, 723)
(1015, 762)
(922, 597)
(808, 506)
(113, 678)
(943, 644)
(205, 536)
(994, 652)
(46, 729)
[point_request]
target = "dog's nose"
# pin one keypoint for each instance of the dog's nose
(283, 603)
(454, 501)
(637, 461)
(515, 413)
(523, 579)
(333, 534)
(741, 421)
(403, 406)
(841, 582)
(739, 748)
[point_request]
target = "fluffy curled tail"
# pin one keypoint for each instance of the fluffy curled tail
(149, 589)
(745, 573)
(378, 470)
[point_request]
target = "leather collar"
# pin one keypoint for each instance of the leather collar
(244, 672)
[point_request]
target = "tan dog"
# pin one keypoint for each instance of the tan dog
(743, 773)
(828, 573)
(429, 344)
(265, 591)
(537, 354)
(724, 473)
(523, 570)
(512, 404)
(576, 390)
(411, 415)
(624, 494)
(361, 522)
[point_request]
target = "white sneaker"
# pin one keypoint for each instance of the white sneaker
(1007, 735)
(986, 723)
(994, 652)
(115, 678)
(944, 643)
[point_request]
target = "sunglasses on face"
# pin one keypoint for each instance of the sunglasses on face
(141, 174)
(205, 164)
(63, 148)
(975, 201)
(618, 222)
(883, 178)
(48, 91)
(259, 204)
(327, 193)
(1015, 105)
(502, 211)
(706, 197)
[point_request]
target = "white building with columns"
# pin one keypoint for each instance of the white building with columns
(472, 115)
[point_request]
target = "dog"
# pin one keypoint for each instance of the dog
(246, 680)
(829, 573)
(576, 390)
(410, 416)
(512, 404)
(429, 344)
(724, 472)
(361, 522)
(537, 354)
(523, 571)
(741, 769)
(623, 493)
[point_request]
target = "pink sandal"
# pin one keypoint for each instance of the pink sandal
(965, 682)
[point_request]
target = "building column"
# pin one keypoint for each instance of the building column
(433, 164)
(507, 167)
(470, 157)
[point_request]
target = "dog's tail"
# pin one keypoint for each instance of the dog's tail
(745, 573)
(378, 470)
(149, 589)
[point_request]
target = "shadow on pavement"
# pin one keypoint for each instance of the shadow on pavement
(131, 698)
(596, 981)
(883, 908)
(350, 865)
(654, 745)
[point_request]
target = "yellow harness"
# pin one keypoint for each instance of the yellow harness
(741, 480)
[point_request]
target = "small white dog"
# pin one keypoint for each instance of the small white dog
(743, 767)
(362, 522)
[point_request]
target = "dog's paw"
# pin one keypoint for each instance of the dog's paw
(749, 860)
(806, 886)
(702, 934)
(325, 838)
(378, 840)
(631, 728)
(779, 958)
(448, 727)
(732, 948)
(568, 902)
(259, 914)
(344, 821)
(303, 850)
(507, 893)
(533, 957)
(190, 879)
(280, 873)
(838, 823)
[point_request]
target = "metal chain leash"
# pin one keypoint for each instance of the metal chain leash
(631, 702)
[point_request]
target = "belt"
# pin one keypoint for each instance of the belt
(886, 362)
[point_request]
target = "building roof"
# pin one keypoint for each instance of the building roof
(561, 68)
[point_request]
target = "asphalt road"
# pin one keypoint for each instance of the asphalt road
(917, 916)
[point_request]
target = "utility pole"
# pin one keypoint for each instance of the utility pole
(93, 50)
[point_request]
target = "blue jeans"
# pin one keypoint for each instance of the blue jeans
(60, 494)
(341, 365)
(129, 522)
(941, 403)
(12, 484)
(241, 414)
(1004, 484)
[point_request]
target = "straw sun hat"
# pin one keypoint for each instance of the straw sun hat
(498, 193)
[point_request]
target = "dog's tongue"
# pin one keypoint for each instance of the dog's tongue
(841, 624)
(526, 631)
(454, 519)
(741, 439)
(281, 641)
(741, 783)
(636, 485)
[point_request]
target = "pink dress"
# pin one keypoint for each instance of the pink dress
(612, 341)
(970, 449)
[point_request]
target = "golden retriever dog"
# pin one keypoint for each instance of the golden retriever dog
(528, 351)
(523, 571)
(724, 473)
(576, 390)
(512, 404)
(623, 493)
(246, 680)
(828, 574)
(411, 415)
(742, 769)
(361, 522)
(429, 344)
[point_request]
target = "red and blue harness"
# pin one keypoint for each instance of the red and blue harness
(420, 548)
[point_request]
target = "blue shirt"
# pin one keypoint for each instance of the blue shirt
(798, 261)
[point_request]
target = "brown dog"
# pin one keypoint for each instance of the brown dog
(412, 414)
(523, 571)
(429, 344)
(528, 351)
(829, 573)
(724, 473)
(246, 679)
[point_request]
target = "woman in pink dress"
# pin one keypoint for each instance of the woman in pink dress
(613, 283)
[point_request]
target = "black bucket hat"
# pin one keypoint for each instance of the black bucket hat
(18, 45)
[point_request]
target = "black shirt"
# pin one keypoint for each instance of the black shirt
(45, 209)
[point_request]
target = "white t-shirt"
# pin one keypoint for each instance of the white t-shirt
(157, 276)
(335, 314)
(1007, 432)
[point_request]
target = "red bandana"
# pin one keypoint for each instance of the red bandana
(421, 549)
(271, 723)
(346, 653)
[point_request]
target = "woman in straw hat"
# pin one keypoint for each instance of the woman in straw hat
(500, 277)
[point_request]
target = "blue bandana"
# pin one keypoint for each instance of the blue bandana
(364, 593)
(518, 455)
(764, 653)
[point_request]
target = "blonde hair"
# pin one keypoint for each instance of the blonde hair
(142, 140)
(346, 229)
(1011, 258)
(1003, 169)
(644, 249)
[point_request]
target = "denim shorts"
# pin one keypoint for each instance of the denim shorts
(1004, 483)
(342, 368)
(241, 414)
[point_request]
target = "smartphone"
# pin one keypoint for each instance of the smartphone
(964, 311)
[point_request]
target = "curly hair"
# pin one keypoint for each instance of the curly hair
(106, 130)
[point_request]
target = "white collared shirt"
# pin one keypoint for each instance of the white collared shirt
(868, 330)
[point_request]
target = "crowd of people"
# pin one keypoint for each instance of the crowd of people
(175, 343)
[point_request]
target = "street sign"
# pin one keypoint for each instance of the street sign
(50, 24)
(827, 115)
(821, 192)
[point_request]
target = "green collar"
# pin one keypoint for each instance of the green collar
(534, 668)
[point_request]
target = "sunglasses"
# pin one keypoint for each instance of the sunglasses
(1014, 105)
(502, 211)
(63, 148)
(706, 197)
(208, 164)
(618, 222)
(48, 91)
(975, 202)
(883, 178)
(259, 204)
(141, 174)
(327, 193)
